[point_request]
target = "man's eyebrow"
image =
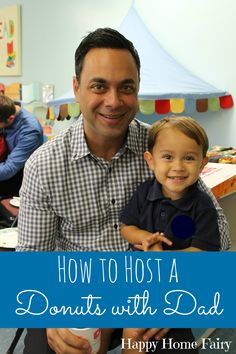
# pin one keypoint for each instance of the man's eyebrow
(98, 79)
(128, 81)
(103, 81)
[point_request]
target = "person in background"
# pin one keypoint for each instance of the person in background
(23, 135)
(2, 89)
(76, 185)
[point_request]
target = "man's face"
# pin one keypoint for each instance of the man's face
(107, 93)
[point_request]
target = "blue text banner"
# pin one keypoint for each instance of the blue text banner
(88, 289)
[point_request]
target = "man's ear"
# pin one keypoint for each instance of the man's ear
(76, 88)
(149, 159)
(11, 118)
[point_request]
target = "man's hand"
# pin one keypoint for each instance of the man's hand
(62, 341)
(154, 242)
(148, 333)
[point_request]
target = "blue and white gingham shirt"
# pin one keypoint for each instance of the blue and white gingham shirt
(71, 200)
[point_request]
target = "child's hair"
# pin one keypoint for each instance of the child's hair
(186, 125)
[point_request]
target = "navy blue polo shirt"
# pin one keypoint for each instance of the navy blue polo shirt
(188, 222)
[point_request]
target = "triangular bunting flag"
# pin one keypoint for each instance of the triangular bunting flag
(162, 106)
(147, 106)
(226, 101)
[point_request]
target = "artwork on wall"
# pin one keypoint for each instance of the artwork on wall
(10, 41)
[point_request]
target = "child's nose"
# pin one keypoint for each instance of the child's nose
(178, 165)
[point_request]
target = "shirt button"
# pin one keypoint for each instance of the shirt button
(116, 226)
(113, 201)
(163, 214)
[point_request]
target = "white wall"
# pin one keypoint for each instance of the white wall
(200, 34)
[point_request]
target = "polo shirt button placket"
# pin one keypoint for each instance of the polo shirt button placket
(163, 214)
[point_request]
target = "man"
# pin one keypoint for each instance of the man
(23, 134)
(77, 184)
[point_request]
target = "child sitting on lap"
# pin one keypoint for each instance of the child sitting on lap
(170, 212)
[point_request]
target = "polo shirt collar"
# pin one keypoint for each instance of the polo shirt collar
(184, 204)
(79, 145)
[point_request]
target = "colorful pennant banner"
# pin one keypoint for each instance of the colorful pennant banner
(41, 94)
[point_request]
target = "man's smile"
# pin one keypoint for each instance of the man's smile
(112, 116)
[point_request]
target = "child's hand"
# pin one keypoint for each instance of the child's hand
(154, 242)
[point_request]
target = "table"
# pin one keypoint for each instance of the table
(9, 212)
(221, 178)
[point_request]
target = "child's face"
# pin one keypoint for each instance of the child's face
(176, 161)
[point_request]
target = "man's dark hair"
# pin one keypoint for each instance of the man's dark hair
(103, 38)
(7, 108)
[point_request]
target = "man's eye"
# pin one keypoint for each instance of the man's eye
(98, 88)
(127, 89)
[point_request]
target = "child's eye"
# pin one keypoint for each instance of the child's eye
(167, 157)
(189, 158)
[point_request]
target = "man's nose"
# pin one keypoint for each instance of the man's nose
(112, 98)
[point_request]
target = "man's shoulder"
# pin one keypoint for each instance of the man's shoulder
(138, 136)
(139, 127)
(53, 150)
(25, 114)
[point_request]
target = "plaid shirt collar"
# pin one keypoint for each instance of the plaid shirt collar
(80, 148)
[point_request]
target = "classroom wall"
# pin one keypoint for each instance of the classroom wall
(199, 34)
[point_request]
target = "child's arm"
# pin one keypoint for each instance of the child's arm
(189, 249)
(154, 242)
(142, 239)
(133, 234)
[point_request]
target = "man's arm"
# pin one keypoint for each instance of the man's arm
(61, 340)
(37, 224)
(225, 242)
(27, 143)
